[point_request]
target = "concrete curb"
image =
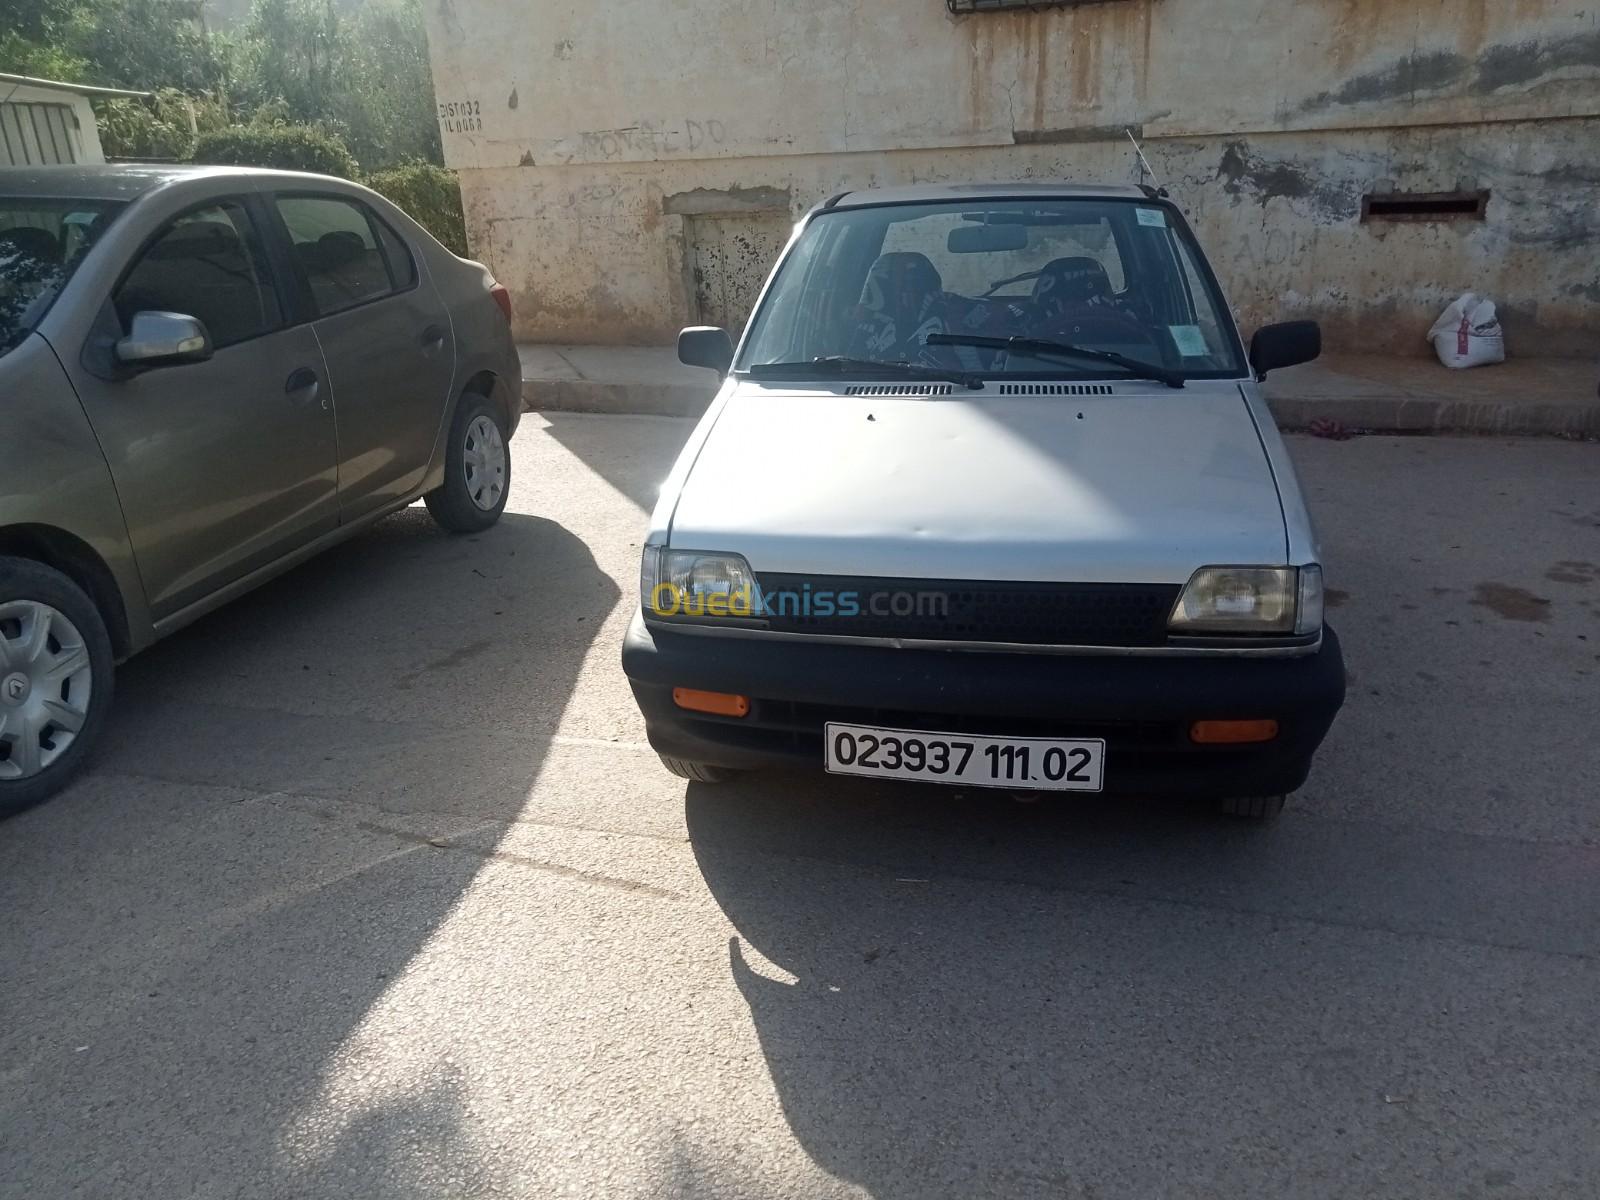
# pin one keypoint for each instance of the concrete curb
(583, 395)
(1429, 414)
(1376, 414)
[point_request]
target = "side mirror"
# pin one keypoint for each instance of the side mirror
(706, 346)
(1285, 345)
(164, 339)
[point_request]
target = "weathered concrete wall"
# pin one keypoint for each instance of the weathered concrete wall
(591, 139)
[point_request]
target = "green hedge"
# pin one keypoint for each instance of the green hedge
(431, 195)
(428, 192)
(284, 147)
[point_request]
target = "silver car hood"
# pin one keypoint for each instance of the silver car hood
(1141, 486)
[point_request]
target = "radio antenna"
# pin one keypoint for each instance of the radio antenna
(1145, 167)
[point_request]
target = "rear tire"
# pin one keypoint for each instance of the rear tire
(477, 468)
(1253, 808)
(697, 772)
(56, 670)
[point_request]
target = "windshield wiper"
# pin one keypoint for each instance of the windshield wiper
(839, 364)
(1040, 348)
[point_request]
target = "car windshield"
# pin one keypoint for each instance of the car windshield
(1121, 278)
(42, 241)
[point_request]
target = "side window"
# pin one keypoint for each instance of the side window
(402, 267)
(207, 264)
(338, 248)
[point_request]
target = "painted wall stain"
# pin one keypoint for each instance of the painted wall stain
(1405, 79)
(1244, 173)
(1522, 63)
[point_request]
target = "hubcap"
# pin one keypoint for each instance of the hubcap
(485, 460)
(45, 684)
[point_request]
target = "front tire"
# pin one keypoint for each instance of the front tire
(477, 469)
(56, 673)
(697, 772)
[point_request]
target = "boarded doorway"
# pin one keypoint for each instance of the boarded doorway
(730, 256)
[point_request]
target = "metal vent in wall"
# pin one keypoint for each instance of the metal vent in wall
(898, 389)
(978, 6)
(1055, 389)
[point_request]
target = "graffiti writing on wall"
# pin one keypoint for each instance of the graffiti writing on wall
(649, 139)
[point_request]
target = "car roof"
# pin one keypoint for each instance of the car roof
(124, 181)
(931, 193)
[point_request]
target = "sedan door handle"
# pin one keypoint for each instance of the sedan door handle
(302, 382)
(431, 338)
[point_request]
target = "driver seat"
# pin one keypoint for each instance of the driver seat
(1069, 283)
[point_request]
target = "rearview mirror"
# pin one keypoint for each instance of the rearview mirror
(163, 339)
(1285, 345)
(987, 239)
(706, 346)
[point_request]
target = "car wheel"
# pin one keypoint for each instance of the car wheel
(477, 469)
(697, 772)
(56, 670)
(1253, 808)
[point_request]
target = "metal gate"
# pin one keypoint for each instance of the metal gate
(34, 135)
(731, 256)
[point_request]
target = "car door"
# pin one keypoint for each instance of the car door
(387, 340)
(224, 465)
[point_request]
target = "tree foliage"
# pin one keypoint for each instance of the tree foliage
(283, 147)
(333, 86)
(360, 73)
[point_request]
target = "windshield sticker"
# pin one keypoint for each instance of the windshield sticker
(1190, 341)
(1152, 217)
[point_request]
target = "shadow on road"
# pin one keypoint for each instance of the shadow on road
(636, 465)
(961, 995)
(293, 796)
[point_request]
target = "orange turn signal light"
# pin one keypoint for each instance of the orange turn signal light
(721, 704)
(1232, 733)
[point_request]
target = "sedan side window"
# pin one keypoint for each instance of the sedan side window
(208, 264)
(338, 248)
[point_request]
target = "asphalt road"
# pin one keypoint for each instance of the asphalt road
(376, 891)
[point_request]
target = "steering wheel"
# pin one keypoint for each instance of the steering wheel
(1096, 323)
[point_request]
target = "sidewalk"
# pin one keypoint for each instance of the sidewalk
(1528, 396)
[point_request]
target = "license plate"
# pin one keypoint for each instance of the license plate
(1043, 764)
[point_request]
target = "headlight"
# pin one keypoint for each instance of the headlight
(1250, 600)
(697, 584)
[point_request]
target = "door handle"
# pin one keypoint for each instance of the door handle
(431, 338)
(302, 381)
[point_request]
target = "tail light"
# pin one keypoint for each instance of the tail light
(502, 297)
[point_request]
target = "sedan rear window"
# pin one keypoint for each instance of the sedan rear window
(42, 241)
(337, 243)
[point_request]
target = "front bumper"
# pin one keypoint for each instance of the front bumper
(1141, 705)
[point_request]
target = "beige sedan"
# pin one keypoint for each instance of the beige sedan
(208, 375)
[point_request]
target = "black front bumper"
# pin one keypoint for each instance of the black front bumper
(1142, 705)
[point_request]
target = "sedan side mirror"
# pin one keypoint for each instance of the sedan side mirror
(1285, 345)
(706, 346)
(164, 339)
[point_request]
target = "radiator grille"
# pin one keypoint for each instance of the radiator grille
(1041, 614)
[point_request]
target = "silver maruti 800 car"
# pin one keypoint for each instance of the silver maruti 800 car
(990, 497)
(207, 375)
